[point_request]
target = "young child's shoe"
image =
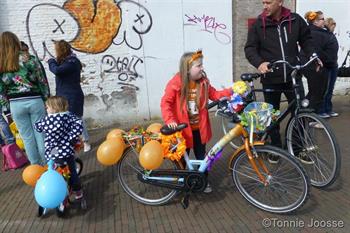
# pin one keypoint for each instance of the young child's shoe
(78, 194)
(87, 147)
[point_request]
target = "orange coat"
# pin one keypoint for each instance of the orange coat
(173, 112)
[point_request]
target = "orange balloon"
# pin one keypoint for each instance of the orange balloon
(32, 173)
(114, 133)
(110, 151)
(154, 128)
(151, 155)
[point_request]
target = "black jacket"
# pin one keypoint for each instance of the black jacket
(270, 41)
(326, 46)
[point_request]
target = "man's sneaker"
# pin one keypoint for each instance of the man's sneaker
(316, 125)
(333, 114)
(87, 147)
(324, 115)
(273, 159)
(208, 189)
(304, 158)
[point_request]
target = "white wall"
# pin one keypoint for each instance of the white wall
(339, 11)
(130, 52)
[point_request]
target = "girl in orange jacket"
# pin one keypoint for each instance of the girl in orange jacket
(185, 99)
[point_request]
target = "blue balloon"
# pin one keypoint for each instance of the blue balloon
(51, 189)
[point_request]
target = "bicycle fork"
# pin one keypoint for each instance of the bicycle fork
(252, 156)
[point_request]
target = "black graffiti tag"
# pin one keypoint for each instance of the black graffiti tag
(124, 67)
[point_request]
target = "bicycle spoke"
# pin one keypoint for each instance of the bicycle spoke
(286, 187)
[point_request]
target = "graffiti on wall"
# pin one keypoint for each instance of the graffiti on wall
(93, 27)
(124, 67)
(210, 25)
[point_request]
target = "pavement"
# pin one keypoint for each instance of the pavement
(110, 209)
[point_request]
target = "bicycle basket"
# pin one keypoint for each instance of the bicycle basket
(258, 116)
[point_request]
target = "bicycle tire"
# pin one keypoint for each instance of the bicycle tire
(319, 144)
(226, 126)
(128, 169)
(78, 166)
(268, 198)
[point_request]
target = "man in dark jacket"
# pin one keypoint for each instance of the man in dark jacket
(275, 35)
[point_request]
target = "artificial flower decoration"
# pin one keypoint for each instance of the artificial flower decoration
(195, 56)
(240, 87)
(312, 16)
(174, 146)
(236, 103)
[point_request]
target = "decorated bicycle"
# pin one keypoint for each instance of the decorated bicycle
(154, 172)
(307, 136)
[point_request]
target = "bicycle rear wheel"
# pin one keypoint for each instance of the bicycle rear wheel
(310, 139)
(288, 187)
(227, 125)
(128, 170)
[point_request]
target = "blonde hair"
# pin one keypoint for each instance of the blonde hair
(329, 22)
(57, 104)
(186, 63)
(9, 52)
(312, 16)
(63, 50)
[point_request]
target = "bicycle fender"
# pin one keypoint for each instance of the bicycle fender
(306, 110)
(257, 143)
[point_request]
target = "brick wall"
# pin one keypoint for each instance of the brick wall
(242, 11)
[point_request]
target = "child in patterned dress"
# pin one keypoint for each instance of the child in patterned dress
(62, 130)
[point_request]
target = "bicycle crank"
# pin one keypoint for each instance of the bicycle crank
(182, 180)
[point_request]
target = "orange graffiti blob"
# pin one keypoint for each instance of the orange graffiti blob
(99, 24)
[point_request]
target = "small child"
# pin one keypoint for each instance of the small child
(185, 101)
(62, 130)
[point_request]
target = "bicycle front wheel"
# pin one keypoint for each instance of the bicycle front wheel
(129, 169)
(227, 125)
(310, 139)
(287, 188)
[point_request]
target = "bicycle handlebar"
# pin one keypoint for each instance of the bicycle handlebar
(248, 77)
(296, 67)
(212, 104)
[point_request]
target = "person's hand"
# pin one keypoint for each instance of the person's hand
(319, 64)
(172, 125)
(47, 58)
(263, 67)
(25, 57)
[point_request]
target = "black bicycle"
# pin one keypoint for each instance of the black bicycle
(307, 136)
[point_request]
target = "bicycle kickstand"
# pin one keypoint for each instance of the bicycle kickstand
(185, 200)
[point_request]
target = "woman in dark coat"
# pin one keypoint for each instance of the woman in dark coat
(67, 69)
(324, 46)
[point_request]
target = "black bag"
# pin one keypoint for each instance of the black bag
(344, 71)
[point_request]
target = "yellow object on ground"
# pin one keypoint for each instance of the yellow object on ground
(19, 140)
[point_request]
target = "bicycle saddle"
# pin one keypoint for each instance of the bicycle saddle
(168, 131)
(248, 77)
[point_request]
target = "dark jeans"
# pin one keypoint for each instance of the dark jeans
(74, 180)
(317, 83)
(274, 98)
(327, 106)
(198, 147)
